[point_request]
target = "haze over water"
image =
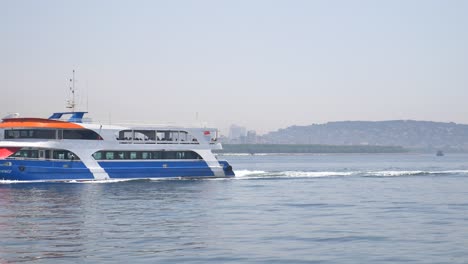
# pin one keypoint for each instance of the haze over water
(260, 64)
(389, 208)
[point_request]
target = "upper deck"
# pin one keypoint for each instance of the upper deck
(58, 128)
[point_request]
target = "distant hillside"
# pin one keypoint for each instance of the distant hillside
(422, 135)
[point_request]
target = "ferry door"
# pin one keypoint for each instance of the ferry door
(42, 154)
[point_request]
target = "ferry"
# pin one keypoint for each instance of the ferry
(65, 147)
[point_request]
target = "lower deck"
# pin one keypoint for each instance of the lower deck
(44, 170)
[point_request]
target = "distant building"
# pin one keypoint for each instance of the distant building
(237, 134)
(251, 137)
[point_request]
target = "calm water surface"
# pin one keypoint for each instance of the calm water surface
(280, 209)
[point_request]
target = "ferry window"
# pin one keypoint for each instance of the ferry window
(192, 155)
(157, 154)
(175, 135)
(44, 133)
(59, 154)
(71, 156)
(109, 155)
(126, 135)
(11, 134)
(120, 155)
(81, 134)
(34, 153)
(160, 136)
(151, 135)
(183, 136)
(97, 155)
(146, 155)
(180, 155)
(138, 136)
(191, 139)
(145, 135)
(30, 133)
(169, 155)
(167, 135)
(59, 134)
(20, 154)
(133, 155)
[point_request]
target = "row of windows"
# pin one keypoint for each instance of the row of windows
(155, 135)
(56, 154)
(52, 134)
(145, 155)
(60, 154)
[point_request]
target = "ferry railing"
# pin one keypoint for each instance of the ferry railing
(159, 142)
(162, 142)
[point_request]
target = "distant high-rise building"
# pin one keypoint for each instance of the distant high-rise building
(236, 133)
(251, 137)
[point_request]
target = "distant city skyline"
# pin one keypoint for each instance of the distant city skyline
(263, 65)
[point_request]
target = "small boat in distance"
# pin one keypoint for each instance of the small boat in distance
(439, 153)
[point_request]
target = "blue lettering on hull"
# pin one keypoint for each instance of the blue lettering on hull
(28, 170)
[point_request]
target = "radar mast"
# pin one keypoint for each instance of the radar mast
(71, 103)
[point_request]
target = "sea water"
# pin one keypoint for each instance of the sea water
(372, 208)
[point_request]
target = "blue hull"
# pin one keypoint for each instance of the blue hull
(28, 170)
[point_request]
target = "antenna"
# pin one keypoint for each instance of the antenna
(71, 104)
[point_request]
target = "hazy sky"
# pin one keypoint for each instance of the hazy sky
(260, 64)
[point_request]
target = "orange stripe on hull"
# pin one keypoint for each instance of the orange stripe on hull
(36, 123)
